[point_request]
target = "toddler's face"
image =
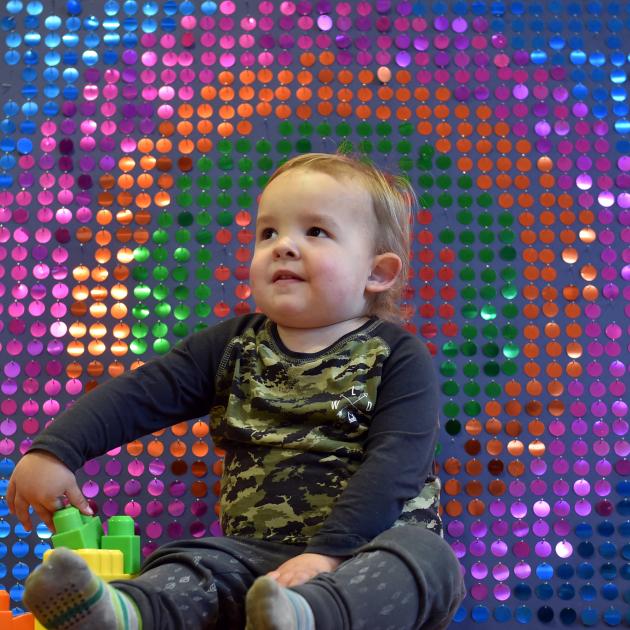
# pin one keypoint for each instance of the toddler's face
(314, 250)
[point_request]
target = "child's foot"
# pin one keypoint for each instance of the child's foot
(273, 607)
(64, 594)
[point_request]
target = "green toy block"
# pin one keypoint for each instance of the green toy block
(76, 530)
(120, 535)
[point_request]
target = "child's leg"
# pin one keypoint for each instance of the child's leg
(180, 586)
(406, 579)
(202, 583)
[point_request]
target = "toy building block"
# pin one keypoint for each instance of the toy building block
(108, 564)
(23, 621)
(76, 530)
(120, 535)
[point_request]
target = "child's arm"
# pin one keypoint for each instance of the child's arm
(398, 455)
(176, 387)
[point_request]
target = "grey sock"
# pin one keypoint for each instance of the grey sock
(64, 594)
(273, 607)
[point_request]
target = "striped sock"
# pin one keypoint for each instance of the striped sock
(273, 607)
(64, 594)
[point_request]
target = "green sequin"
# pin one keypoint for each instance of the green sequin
(510, 311)
(445, 200)
(204, 164)
(453, 427)
(446, 236)
(490, 350)
(468, 349)
(472, 408)
(468, 293)
(303, 145)
(305, 129)
(141, 254)
(204, 218)
(243, 145)
(224, 145)
(488, 275)
(284, 146)
(511, 350)
(180, 273)
(159, 330)
(509, 291)
(484, 200)
(384, 145)
(181, 254)
(245, 165)
(139, 330)
(204, 237)
(467, 237)
(406, 129)
(182, 236)
(160, 291)
(469, 331)
(181, 330)
(225, 162)
(204, 256)
(202, 310)
(443, 162)
(486, 236)
(162, 309)
(204, 200)
(450, 349)
(285, 127)
(181, 293)
(464, 217)
(507, 253)
(491, 368)
(492, 390)
(141, 291)
(490, 331)
(443, 181)
(471, 389)
(471, 370)
(140, 311)
(161, 346)
(509, 331)
(469, 311)
(225, 218)
(467, 274)
(488, 311)
(487, 293)
(138, 346)
(160, 273)
(139, 273)
(383, 129)
(486, 255)
(159, 254)
(202, 292)
(324, 130)
(203, 273)
(448, 368)
(364, 129)
(450, 388)
(450, 409)
(509, 368)
(464, 201)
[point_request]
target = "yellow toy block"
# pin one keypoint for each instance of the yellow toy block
(106, 563)
(8, 621)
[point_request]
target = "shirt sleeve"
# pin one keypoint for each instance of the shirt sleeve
(173, 388)
(398, 457)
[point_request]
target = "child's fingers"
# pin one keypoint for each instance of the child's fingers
(21, 512)
(11, 496)
(45, 515)
(76, 498)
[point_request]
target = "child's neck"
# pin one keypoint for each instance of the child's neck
(311, 340)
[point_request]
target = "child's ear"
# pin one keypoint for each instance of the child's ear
(385, 269)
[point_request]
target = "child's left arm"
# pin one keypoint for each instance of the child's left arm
(398, 455)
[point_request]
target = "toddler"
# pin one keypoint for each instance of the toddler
(327, 411)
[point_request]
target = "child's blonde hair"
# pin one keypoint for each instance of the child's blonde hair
(393, 201)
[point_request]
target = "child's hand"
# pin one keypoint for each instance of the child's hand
(303, 567)
(41, 480)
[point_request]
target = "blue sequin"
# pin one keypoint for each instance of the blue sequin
(480, 614)
(585, 570)
(523, 614)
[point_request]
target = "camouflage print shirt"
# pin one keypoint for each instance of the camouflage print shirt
(325, 450)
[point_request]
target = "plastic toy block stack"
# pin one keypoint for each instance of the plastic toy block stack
(8, 621)
(112, 556)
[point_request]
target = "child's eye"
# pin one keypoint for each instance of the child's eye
(317, 232)
(266, 234)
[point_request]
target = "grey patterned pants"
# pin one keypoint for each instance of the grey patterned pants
(405, 579)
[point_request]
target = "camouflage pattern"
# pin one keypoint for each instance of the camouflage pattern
(293, 430)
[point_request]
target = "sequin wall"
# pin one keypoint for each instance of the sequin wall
(135, 137)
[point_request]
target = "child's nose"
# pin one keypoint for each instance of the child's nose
(285, 247)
